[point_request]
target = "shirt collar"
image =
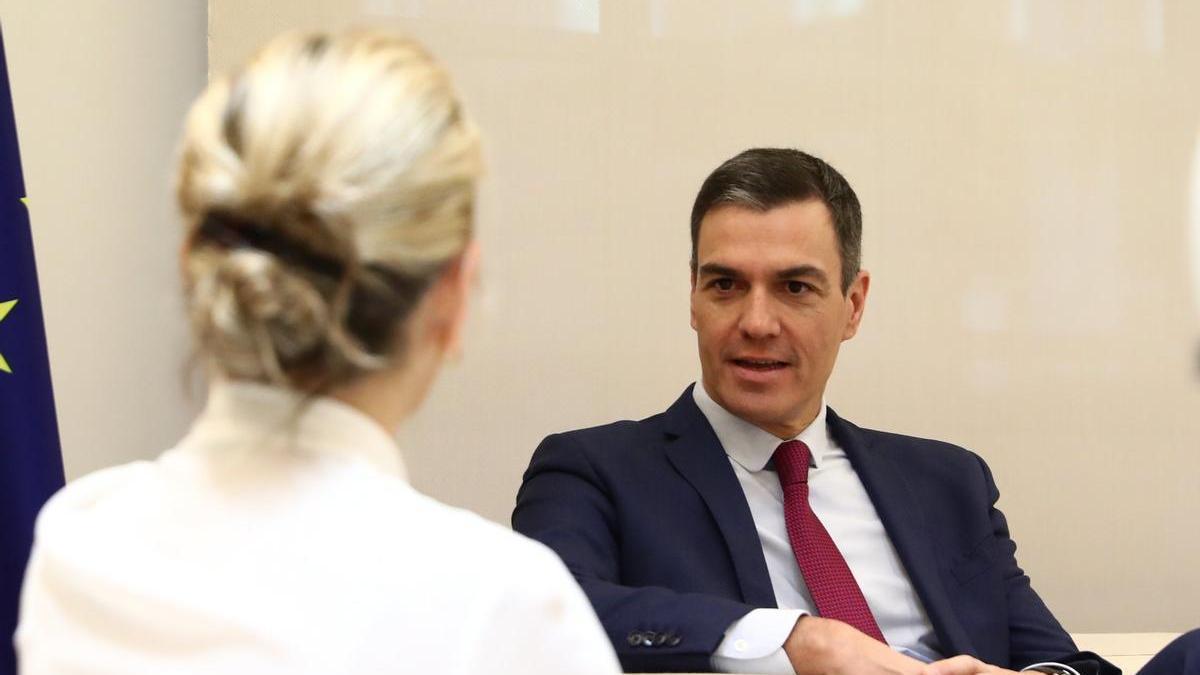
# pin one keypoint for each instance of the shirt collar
(752, 447)
(251, 418)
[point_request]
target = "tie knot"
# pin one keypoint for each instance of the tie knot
(791, 462)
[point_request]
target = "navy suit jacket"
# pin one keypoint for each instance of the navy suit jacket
(652, 522)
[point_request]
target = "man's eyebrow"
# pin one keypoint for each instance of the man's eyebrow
(717, 270)
(802, 271)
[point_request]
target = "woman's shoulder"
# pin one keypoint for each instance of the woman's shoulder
(90, 528)
(462, 532)
(94, 492)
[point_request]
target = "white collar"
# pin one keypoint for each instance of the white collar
(248, 418)
(752, 447)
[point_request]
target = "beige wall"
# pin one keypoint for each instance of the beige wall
(99, 88)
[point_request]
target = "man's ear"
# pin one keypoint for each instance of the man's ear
(453, 292)
(692, 295)
(856, 301)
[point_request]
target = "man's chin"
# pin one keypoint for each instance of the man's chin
(767, 410)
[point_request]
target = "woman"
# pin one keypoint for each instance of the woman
(327, 191)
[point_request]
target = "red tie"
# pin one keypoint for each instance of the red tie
(826, 574)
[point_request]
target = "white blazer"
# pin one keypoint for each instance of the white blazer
(279, 539)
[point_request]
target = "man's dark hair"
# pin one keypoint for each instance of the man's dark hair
(765, 178)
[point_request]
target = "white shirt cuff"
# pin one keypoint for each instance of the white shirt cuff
(754, 643)
(1067, 668)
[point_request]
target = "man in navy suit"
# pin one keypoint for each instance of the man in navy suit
(749, 527)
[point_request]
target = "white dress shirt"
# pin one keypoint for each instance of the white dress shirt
(280, 539)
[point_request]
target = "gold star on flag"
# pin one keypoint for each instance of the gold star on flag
(5, 308)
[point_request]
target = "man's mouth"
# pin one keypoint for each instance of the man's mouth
(762, 365)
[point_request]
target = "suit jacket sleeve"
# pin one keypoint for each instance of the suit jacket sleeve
(1035, 636)
(565, 503)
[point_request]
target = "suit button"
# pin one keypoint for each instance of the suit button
(634, 639)
(648, 638)
(674, 641)
(660, 639)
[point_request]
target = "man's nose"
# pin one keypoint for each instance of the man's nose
(759, 319)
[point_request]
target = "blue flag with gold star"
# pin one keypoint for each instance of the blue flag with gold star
(30, 459)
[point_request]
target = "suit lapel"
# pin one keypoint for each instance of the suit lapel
(899, 507)
(692, 447)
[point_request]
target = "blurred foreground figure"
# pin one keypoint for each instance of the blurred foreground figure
(327, 192)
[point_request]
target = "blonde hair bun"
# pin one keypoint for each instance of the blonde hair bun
(323, 186)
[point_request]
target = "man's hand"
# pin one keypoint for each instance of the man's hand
(827, 647)
(819, 646)
(965, 665)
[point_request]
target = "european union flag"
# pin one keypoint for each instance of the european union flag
(30, 459)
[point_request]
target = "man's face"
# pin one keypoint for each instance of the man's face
(769, 312)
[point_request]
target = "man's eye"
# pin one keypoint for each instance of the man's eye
(723, 284)
(797, 287)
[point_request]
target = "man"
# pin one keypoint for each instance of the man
(750, 528)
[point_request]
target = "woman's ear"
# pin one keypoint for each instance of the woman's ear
(452, 295)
